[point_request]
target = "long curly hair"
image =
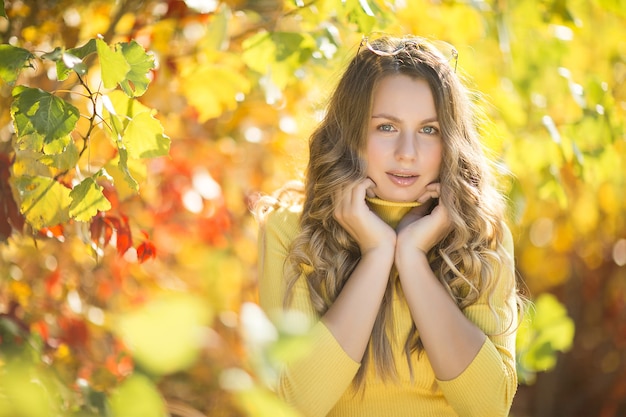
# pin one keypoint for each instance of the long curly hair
(468, 261)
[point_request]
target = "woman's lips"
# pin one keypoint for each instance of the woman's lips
(402, 179)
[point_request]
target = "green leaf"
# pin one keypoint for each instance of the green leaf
(258, 51)
(163, 334)
(279, 53)
(74, 63)
(55, 55)
(63, 161)
(81, 52)
(42, 120)
(44, 202)
(113, 64)
(28, 389)
(144, 138)
(551, 318)
(3, 13)
(367, 9)
(216, 38)
(12, 61)
(545, 331)
(260, 402)
(125, 174)
(136, 82)
(124, 168)
(28, 163)
(137, 396)
(87, 200)
(121, 109)
(360, 12)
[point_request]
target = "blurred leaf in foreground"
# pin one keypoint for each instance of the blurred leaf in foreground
(546, 330)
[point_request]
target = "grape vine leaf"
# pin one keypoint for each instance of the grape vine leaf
(123, 166)
(144, 137)
(112, 63)
(141, 63)
(63, 161)
(12, 61)
(87, 200)
(63, 70)
(43, 201)
(42, 120)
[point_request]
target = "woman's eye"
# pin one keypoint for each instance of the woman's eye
(430, 130)
(386, 128)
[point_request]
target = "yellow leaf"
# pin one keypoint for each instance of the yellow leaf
(212, 90)
(584, 213)
(460, 23)
(21, 291)
(165, 334)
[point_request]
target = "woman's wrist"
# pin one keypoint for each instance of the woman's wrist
(410, 258)
(381, 251)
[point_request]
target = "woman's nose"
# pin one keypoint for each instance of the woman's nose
(406, 147)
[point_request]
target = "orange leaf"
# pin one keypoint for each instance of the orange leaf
(41, 327)
(53, 284)
(53, 232)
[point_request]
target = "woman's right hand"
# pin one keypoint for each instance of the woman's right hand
(353, 214)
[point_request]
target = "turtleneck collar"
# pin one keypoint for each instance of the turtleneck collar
(391, 212)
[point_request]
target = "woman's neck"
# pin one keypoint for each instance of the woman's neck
(390, 211)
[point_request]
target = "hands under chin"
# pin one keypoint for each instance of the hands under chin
(420, 229)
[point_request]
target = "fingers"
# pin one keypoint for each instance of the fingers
(355, 217)
(369, 185)
(432, 191)
(352, 198)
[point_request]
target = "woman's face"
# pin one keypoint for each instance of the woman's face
(404, 144)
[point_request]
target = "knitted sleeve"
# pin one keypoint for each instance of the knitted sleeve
(313, 382)
(487, 386)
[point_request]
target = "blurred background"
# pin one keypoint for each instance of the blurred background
(127, 243)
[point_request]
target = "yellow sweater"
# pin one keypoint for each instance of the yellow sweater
(320, 383)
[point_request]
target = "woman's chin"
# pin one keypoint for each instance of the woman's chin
(397, 198)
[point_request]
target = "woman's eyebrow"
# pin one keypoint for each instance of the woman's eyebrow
(397, 120)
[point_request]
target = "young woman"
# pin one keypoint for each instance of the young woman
(395, 249)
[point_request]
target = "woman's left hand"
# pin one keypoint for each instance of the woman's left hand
(421, 231)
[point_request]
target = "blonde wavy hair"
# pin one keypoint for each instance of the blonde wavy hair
(467, 262)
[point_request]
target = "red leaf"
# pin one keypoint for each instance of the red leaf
(101, 230)
(214, 229)
(146, 251)
(110, 193)
(124, 238)
(75, 331)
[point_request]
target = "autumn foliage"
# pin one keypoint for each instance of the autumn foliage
(136, 135)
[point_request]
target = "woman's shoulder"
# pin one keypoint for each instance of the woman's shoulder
(283, 216)
(280, 224)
